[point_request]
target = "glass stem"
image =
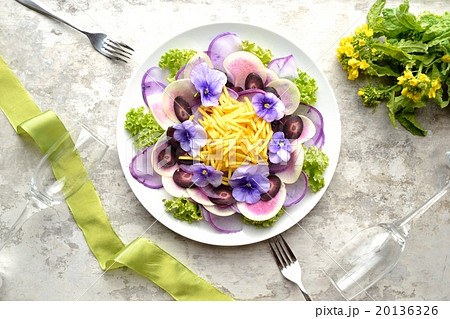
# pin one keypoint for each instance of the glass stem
(403, 222)
(32, 206)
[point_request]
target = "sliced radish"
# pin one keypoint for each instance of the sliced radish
(289, 94)
(295, 192)
(183, 88)
(172, 188)
(270, 76)
(263, 210)
(224, 224)
(309, 130)
(316, 117)
(239, 65)
(197, 59)
(141, 168)
(155, 105)
(221, 46)
(248, 94)
(198, 196)
(161, 145)
(293, 166)
(220, 210)
(284, 67)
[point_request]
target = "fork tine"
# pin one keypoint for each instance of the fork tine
(107, 53)
(276, 253)
(287, 250)
(117, 55)
(113, 46)
(121, 44)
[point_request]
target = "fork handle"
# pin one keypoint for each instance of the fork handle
(36, 6)
(305, 295)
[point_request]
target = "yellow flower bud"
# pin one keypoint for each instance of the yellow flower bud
(361, 92)
(413, 82)
(364, 65)
(446, 58)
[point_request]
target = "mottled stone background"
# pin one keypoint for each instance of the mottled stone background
(382, 174)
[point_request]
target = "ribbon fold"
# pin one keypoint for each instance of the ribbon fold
(141, 255)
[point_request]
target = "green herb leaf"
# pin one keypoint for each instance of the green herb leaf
(183, 209)
(307, 87)
(314, 165)
(143, 127)
(265, 55)
(174, 59)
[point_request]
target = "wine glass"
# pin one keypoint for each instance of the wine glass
(62, 171)
(373, 252)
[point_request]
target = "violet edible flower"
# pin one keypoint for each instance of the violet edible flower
(209, 83)
(268, 106)
(249, 182)
(279, 148)
(205, 175)
(192, 137)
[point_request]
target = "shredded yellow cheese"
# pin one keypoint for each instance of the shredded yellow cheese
(236, 135)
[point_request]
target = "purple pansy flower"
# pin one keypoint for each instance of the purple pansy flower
(249, 182)
(192, 137)
(279, 148)
(209, 83)
(268, 106)
(205, 175)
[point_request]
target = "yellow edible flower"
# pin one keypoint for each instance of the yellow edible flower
(435, 85)
(413, 82)
(362, 42)
(353, 74)
(364, 65)
(446, 58)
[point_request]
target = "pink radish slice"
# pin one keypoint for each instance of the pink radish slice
(221, 46)
(155, 74)
(295, 192)
(172, 188)
(263, 210)
(224, 224)
(183, 88)
(284, 67)
(288, 92)
(239, 65)
(155, 106)
(309, 130)
(294, 166)
(162, 145)
(141, 168)
(316, 117)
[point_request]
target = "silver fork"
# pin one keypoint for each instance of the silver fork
(287, 262)
(100, 41)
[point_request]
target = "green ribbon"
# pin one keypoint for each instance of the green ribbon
(141, 255)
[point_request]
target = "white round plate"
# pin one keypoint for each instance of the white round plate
(199, 39)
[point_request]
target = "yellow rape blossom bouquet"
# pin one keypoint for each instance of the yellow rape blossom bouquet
(404, 58)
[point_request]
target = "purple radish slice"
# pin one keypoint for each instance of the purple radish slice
(284, 67)
(183, 88)
(166, 157)
(316, 117)
(175, 144)
(208, 190)
(222, 46)
(155, 74)
(155, 105)
(293, 127)
(221, 210)
(182, 109)
(141, 168)
(172, 188)
(293, 166)
(233, 93)
(263, 210)
(160, 145)
(197, 59)
(240, 64)
(295, 192)
(198, 196)
(224, 194)
(289, 94)
(180, 73)
(224, 224)
(275, 184)
(253, 81)
(182, 178)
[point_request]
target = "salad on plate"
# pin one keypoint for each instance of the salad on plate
(229, 133)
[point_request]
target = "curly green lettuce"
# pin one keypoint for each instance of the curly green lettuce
(183, 209)
(307, 87)
(143, 127)
(174, 59)
(314, 165)
(265, 55)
